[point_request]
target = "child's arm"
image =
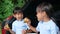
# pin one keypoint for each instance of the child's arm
(33, 28)
(24, 32)
(12, 32)
(6, 27)
(29, 31)
(28, 21)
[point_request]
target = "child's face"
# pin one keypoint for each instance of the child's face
(40, 15)
(18, 16)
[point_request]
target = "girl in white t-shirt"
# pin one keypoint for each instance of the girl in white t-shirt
(46, 25)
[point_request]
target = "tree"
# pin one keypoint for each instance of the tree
(7, 6)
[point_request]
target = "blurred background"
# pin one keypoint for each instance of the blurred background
(29, 7)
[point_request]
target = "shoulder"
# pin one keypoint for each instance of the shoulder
(14, 22)
(22, 21)
(39, 23)
(52, 23)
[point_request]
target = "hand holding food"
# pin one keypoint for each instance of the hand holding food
(6, 27)
(28, 21)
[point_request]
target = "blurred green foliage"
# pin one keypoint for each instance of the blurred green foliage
(7, 6)
(0, 30)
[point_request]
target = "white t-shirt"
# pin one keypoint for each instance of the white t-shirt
(47, 27)
(18, 26)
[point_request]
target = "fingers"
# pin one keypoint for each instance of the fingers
(23, 31)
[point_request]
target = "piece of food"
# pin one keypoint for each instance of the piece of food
(26, 20)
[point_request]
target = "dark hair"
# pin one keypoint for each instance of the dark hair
(47, 7)
(17, 10)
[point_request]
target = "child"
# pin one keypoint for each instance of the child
(46, 25)
(18, 25)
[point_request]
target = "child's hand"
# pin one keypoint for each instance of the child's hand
(6, 27)
(24, 32)
(28, 21)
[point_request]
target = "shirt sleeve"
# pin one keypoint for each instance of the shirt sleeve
(53, 29)
(13, 27)
(57, 28)
(37, 28)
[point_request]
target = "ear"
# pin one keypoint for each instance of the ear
(44, 13)
(14, 15)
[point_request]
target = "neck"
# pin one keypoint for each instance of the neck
(18, 19)
(46, 19)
